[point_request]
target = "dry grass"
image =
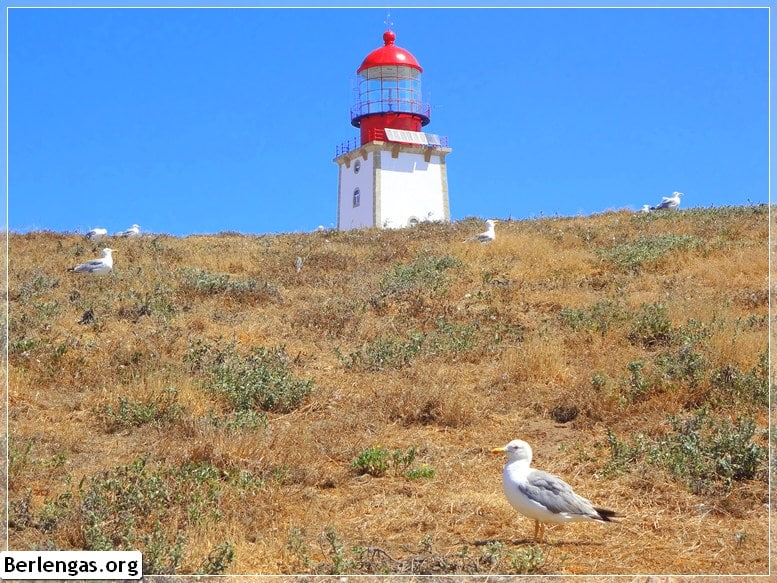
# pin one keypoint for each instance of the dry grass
(566, 332)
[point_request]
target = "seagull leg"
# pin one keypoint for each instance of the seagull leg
(539, 527)
(537, 531)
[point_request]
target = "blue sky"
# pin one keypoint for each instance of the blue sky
(191, 121)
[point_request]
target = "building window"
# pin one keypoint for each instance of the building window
(357, 197)
(357, 166)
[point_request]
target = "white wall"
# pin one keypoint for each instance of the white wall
(351, 217)
(410, 187)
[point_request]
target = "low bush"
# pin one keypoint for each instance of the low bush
(377, 461)
(634, 256)
(160, 408)
(706, 453)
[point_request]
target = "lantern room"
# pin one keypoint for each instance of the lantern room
(388, 92)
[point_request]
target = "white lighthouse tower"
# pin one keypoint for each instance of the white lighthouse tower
(394, 176)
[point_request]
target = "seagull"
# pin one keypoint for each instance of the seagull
(133, 231)
(96, 234)
(96, 266)
(488, 235)
(298, 264)
(543, 496)
(668, 202)
(645, 208)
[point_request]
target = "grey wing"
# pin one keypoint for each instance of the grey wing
(90, 265)
(556, 495)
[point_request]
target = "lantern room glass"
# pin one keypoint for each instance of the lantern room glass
(389, 88)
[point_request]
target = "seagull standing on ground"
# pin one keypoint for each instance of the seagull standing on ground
(96, 266)
(668, 202)
(543, 496)
(645, 208)
(133, 231)
(96, 234)
(488, 235)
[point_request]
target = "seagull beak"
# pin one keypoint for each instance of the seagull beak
(498, 450)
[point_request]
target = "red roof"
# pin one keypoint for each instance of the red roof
(389, 54)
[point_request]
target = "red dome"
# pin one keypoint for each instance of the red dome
(389, 54)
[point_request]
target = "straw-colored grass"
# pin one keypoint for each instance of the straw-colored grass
(580, 335)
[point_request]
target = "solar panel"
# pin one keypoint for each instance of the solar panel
(406, 136)
(433, 140)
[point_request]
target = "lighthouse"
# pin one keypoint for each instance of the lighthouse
(394, 174)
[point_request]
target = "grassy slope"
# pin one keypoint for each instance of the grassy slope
(580, 335)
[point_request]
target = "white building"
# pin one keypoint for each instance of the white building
(395, 176)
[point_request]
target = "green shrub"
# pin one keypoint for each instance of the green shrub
(340, 563)
(373, 461)
(218, 560)
(520, 561)
(596, 318)
(633, 256)
(709, 454)
(425, 273)
(383, 353)
(131, 507)
(161, 408)
(240, 420)
(706, 453)
(622, 454)
(40, 282)
(396, 353)
(377, 461)
(651, 327)
(452, 338)
(205, 283)
(750, 388)
(424, 472)
(638, 385)
(683, 365)
(159, 303)
(526, 560)
(261, 380)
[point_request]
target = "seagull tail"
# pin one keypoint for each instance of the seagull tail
(606, 515)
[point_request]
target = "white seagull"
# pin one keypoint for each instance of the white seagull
(543, 496)
(668, 202)
(488, 235)
(645, 208)
(96, 266)
(96, 234)
(133, 231)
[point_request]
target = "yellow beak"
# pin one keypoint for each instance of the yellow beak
(498, 450)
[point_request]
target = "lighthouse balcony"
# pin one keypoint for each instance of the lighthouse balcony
(399, 136)
(364, 108)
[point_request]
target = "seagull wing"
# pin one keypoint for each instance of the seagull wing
(559, 497)
(92, 266)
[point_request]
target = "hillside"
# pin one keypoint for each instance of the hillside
(224, 413)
